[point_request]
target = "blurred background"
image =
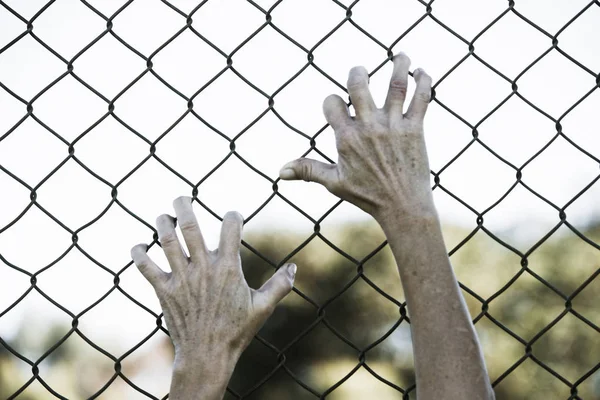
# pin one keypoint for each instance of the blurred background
(111, 109)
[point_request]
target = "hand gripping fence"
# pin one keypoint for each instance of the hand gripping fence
(320, 317)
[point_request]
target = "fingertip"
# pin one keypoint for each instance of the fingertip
(422, 96)
(336, 112)
(146, 266)
(233, 216)
(231, 235)
(401, 58)
(165, 220)
(359, 70)
(138, 250)
(289, 165)
(277, 287)
(420, 74)
(287, 172)
(291, 270)
(332, 101)
(357, 75)
(182, 201)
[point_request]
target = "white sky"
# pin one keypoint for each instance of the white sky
(516, 131)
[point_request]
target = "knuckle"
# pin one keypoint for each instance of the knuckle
(378, 134)
(142, 265)
(227, 266)
(169, 239)
(344, 142)
(354, 85)
(422, 77)
(306, 169)
(424, 96)
(413, 131)
(188, 226)
(399, 86)
(342, 147)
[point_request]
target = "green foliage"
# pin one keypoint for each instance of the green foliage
(338, 316)
(305, 330)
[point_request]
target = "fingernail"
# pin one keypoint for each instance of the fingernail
(418, 72)
(165, 221)
(287, 174)
(291, 269)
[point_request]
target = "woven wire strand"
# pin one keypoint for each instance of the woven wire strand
(228, 65)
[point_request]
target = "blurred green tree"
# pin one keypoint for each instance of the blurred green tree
(346, 303)
(344, 334)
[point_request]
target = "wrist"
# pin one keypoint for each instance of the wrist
(209, 367)
(415, 239)
(400, 218)
(206, 378)
(411, 232)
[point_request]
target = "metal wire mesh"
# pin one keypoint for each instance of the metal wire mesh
(346, 12)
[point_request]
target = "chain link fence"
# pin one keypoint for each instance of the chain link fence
(320, 317)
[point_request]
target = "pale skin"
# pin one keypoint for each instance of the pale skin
(211, 313)
(383, 169)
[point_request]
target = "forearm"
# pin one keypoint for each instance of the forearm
(382, 165)
(448, 358)
(206, 382)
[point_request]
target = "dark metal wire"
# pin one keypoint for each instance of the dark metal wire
(320, 309)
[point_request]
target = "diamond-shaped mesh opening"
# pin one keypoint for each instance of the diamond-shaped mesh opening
(110, 109)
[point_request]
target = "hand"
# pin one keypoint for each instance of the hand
(382, 162)
(211, 313)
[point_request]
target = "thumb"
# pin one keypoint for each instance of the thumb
(275, 289)
(310, 171)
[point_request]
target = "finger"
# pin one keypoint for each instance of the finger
(275, 289)
(394, 103)
(422, 97)
(336, 112)
(169, 242)
(358, 88)
(147, 267)
(190, 228)
(310, 171)
(231, 235)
